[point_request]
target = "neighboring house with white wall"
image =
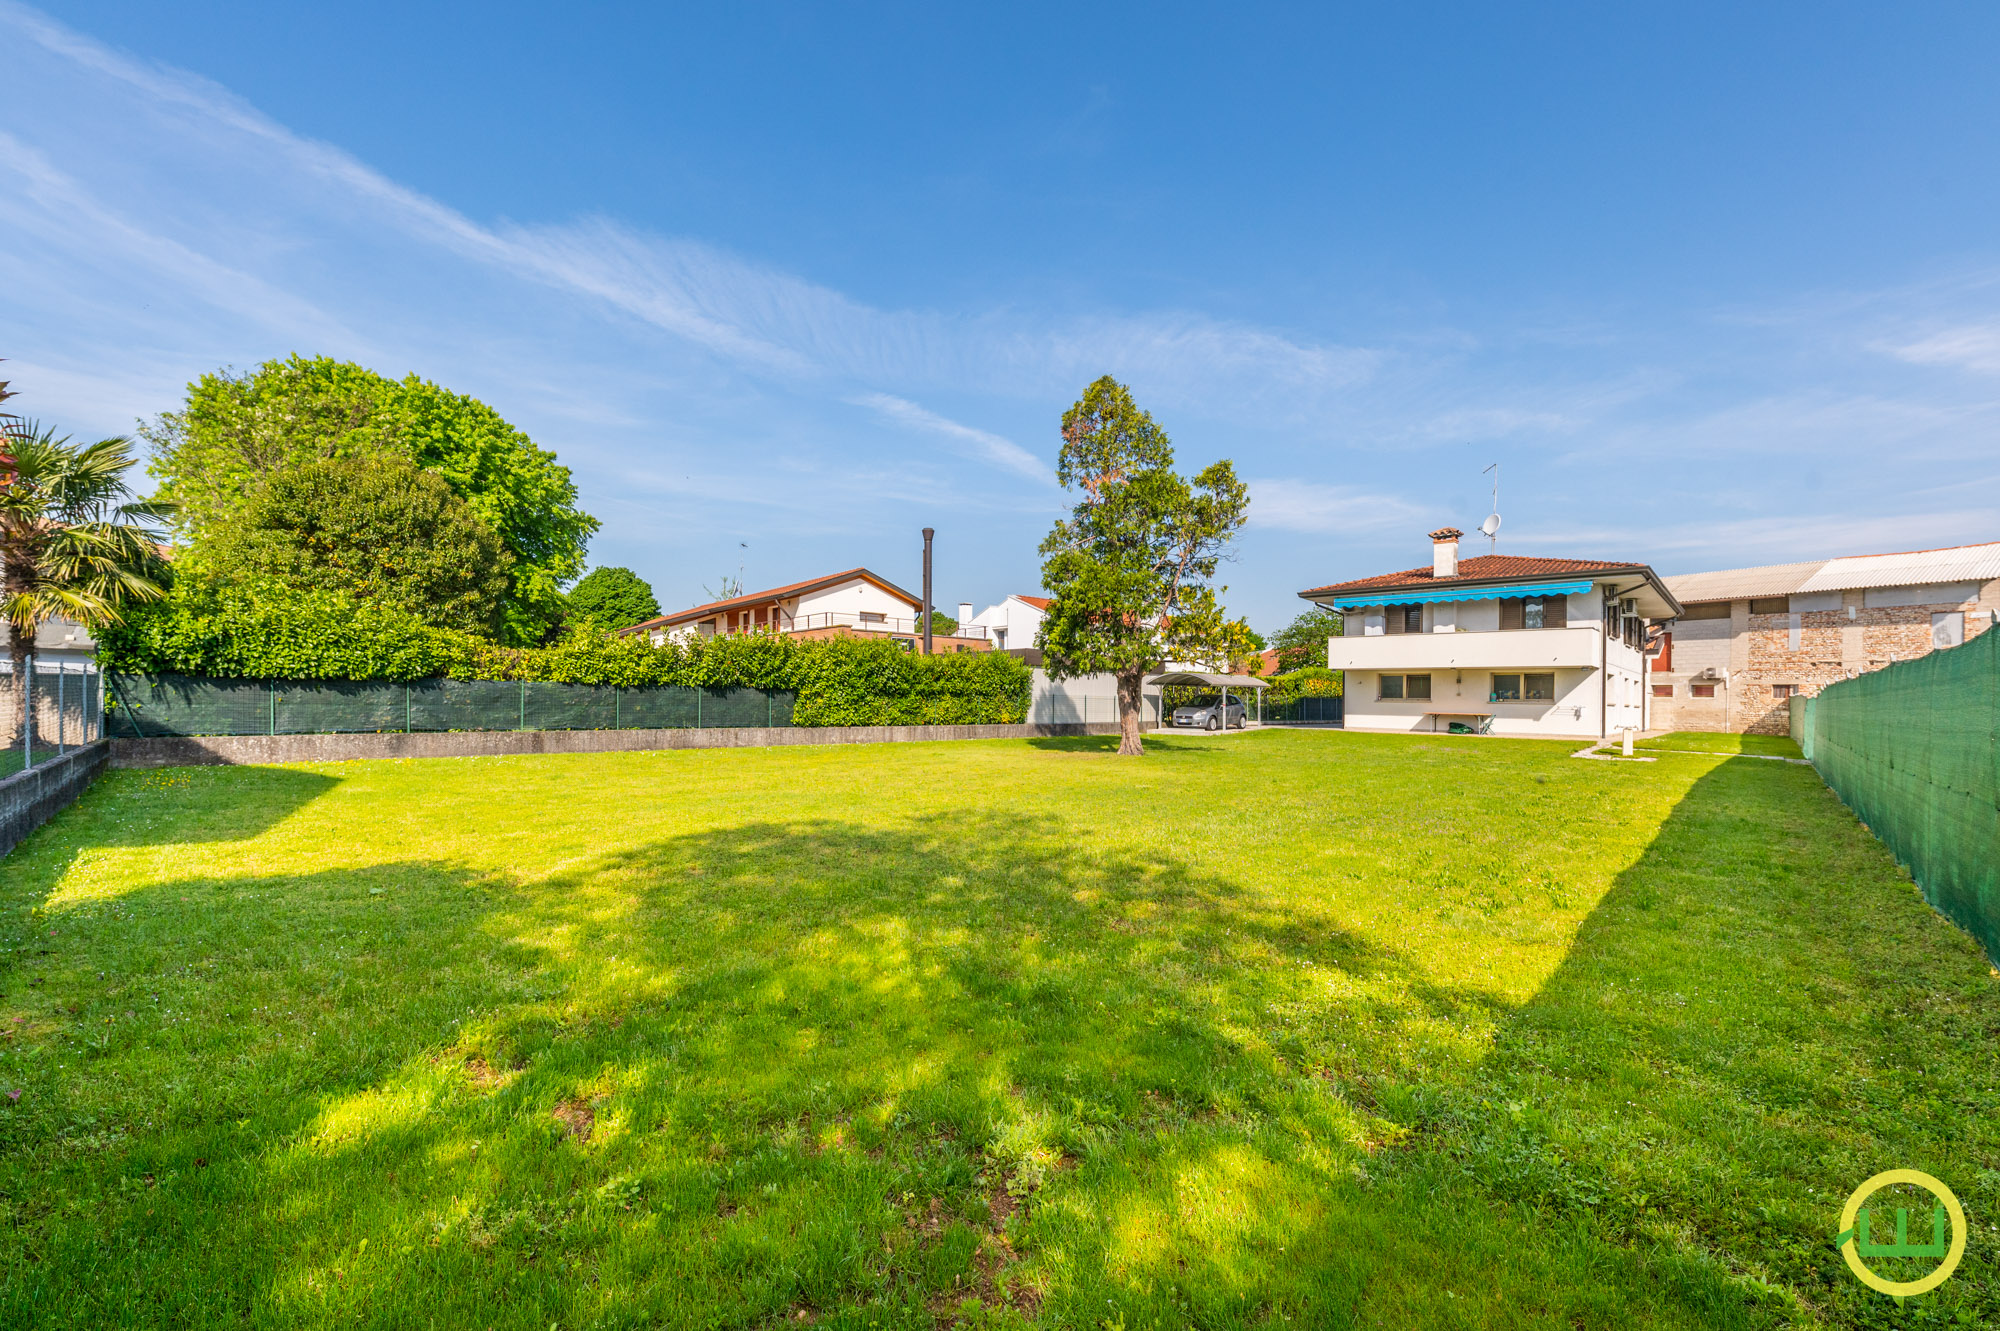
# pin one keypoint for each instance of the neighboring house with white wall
(1014, 622)
(1749, 639)
(1509, 644)
(855, 603)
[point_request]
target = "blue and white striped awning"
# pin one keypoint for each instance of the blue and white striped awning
(1414, 596)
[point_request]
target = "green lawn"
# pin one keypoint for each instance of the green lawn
(1312, 1029)
(1716, 741)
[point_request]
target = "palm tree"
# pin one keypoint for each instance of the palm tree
(73, 542)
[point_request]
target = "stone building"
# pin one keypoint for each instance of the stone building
(1748, 639)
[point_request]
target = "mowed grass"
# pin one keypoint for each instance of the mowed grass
(1716, 741)
(1311, 1029)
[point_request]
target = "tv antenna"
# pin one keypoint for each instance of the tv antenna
(1490, 528)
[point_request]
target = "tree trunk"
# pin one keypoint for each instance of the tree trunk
(1131, 708)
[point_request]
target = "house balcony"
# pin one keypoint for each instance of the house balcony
(864, 623)
(1502, 649)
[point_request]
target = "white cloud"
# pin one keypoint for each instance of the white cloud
(1341, 510)
(978, 443)
(1971, 347)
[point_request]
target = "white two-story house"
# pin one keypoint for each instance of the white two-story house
(1497, 644)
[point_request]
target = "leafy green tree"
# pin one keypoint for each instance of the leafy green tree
(1302, 642)
(375, 527)
(238, 429)
(942, 624)
(1129, 569)
(73, 542)
(613, 598)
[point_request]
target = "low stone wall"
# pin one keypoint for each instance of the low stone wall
(194, 751)
(29, 799)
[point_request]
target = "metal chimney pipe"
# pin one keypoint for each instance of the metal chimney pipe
(928, 533)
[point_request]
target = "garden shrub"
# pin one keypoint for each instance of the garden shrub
(262, 630)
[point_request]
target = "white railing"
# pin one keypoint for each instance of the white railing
(874, 624)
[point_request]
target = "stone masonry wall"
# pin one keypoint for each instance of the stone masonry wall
(1833, 646)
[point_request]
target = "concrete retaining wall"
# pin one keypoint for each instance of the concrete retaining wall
(192, 751)
(29, 799)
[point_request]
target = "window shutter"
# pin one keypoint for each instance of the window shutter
(1665, 660)
(1555, 612)
(1392, 619)
(1512, 616)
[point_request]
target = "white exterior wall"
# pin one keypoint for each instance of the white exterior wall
(1012, 623)
(1572, 713)
(854, 597)
(1589, 700)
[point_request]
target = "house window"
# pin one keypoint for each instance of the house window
(1534, 612)
(1539, 688)
(1506, 688)
(1415, 688)
(1702, 690)
(1783, 690)
(873, 617)
(1770, 605)
(1663, 690)
(1947, 628)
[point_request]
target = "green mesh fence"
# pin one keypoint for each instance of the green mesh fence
(149, 705)
(1914, 750)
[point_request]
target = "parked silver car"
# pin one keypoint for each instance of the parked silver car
(1208, 716)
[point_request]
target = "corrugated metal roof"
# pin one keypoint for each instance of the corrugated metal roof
(1963, 563)
(1914, 568)
(1733, 584)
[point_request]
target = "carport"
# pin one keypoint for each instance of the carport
(1194, 679)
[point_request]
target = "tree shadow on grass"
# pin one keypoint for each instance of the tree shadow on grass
(1157, 744)
(1760, 1014)
(729, 1079)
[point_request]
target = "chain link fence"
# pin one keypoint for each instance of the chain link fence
(144, 706)
(1914, 750)
(64, 701)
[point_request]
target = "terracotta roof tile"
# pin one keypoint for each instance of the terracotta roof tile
(1478, 569)
(1039, 602)
(773, 594)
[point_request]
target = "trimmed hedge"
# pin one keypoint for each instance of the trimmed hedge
(1306, 682)
(265, 631)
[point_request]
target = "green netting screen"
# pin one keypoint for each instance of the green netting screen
(148, 705)
(1914, 750)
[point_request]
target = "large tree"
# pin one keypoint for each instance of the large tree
(73, 543)
(1302, 642)
(236, 430)
(613, 598)
(373, 527)
(1129, 569)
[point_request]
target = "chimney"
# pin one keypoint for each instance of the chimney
(928, 533)
(964, 615)
(1444, 552)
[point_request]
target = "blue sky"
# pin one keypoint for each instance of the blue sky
(1716, 285)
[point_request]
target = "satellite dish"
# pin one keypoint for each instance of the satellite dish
(1490, 527)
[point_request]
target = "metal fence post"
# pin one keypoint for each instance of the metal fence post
(697, 706)
(617, 708)
(62, 678)
(524, 706)
(271, 696)
(28, 714)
